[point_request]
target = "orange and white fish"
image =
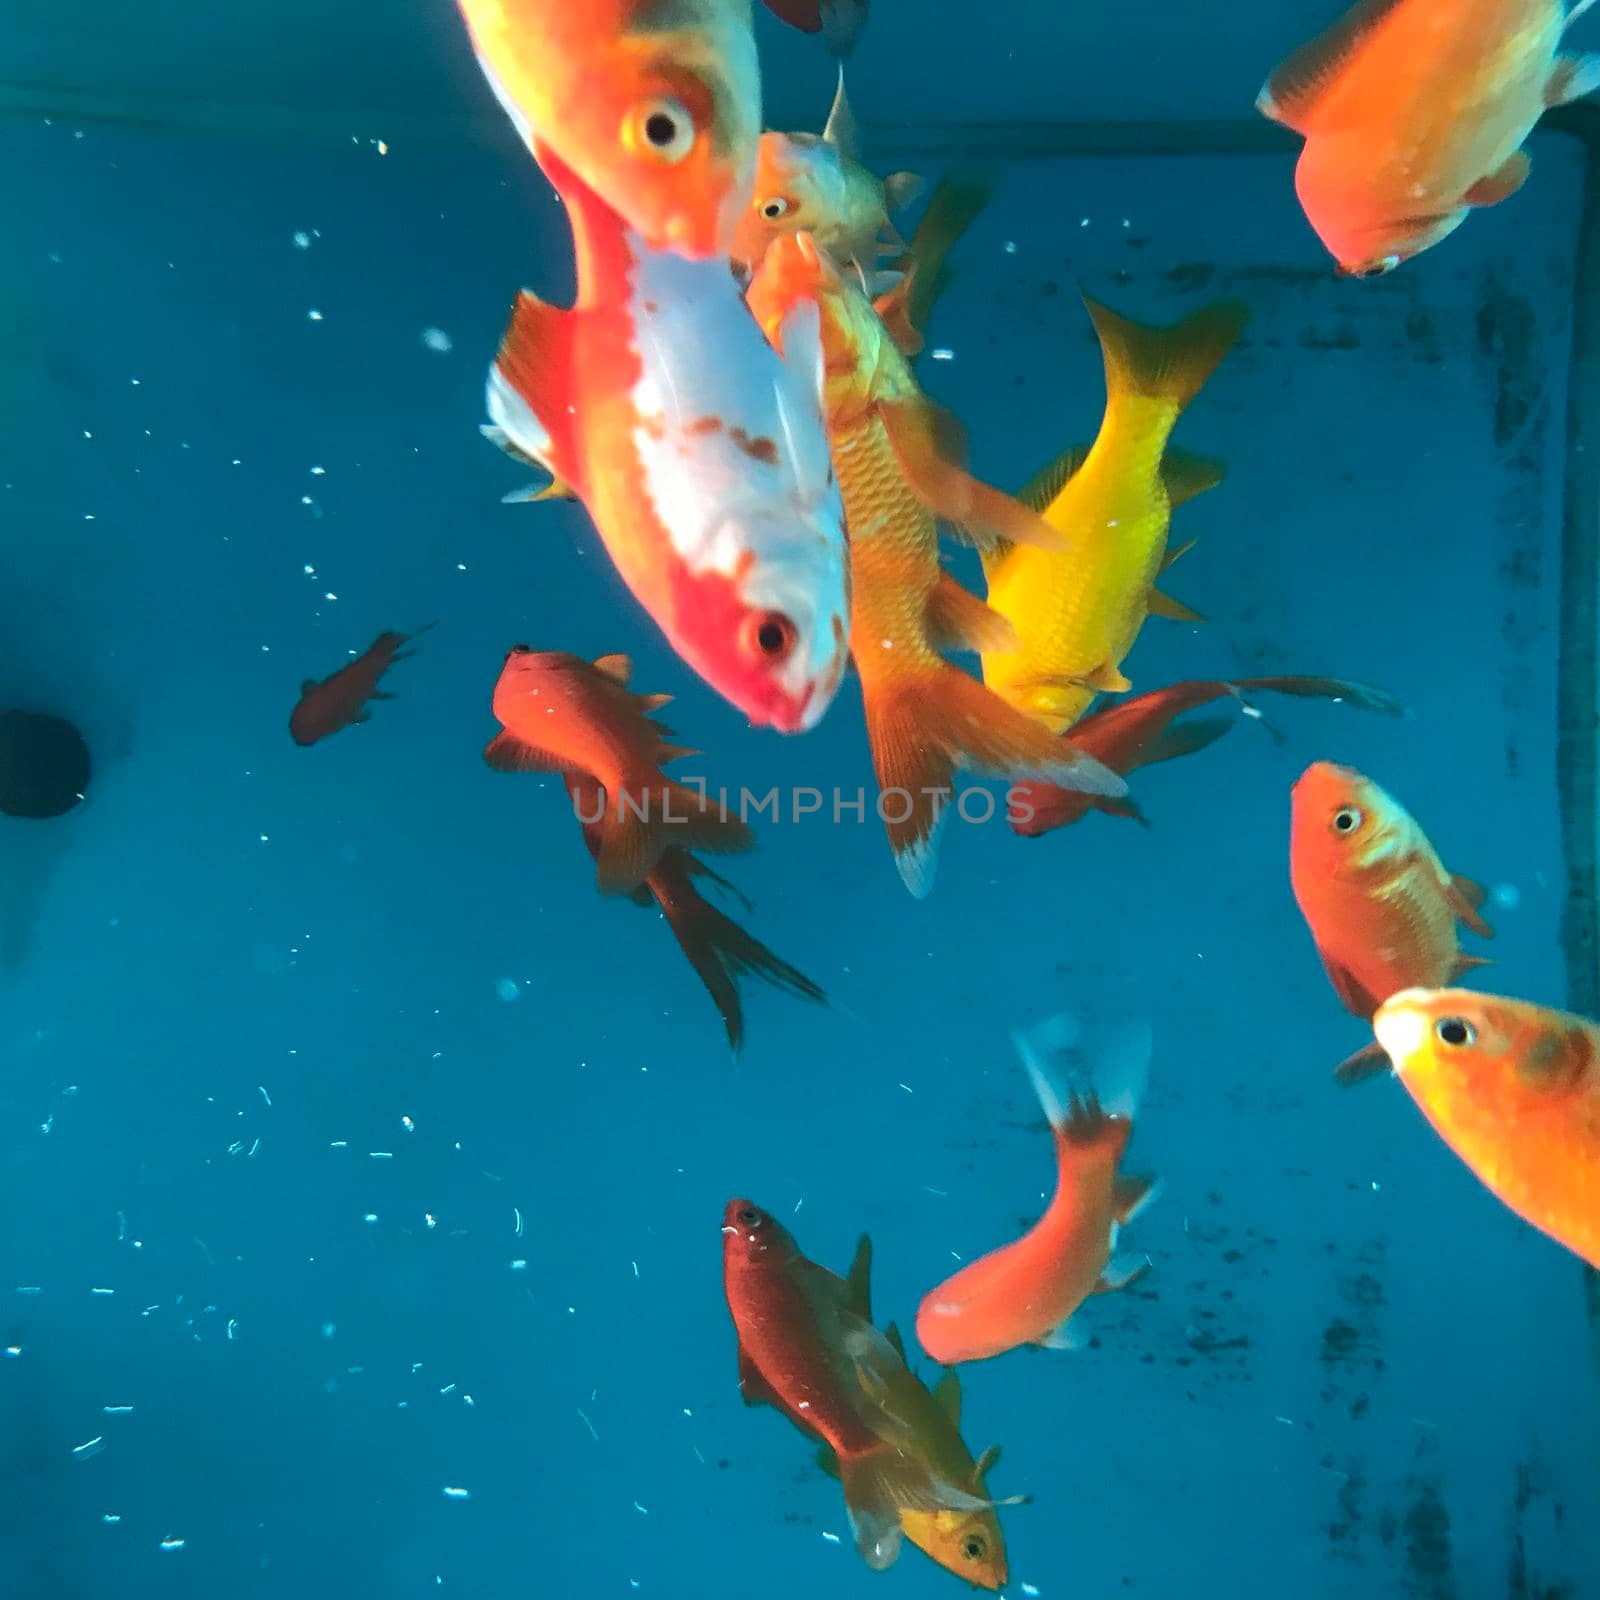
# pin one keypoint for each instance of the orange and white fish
(1089, 1078)
(1077, 611)
(700, 455)
(341, 698)
(925, 717)
(1414, 112)
(1514, 1090)
(654, 104)
(1138, 732)
(1380, 904)
(560, 713)
(806, 184)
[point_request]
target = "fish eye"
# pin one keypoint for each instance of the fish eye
(1454, 1032)
(974, 1547)
(1346, 819)
(661, 128)
(771, 635)
(776, 207)
(748, 1217)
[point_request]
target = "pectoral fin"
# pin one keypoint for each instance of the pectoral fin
(1355, 998)
(1163, 605)
(1573, 77)
(1368, 1062)
(1502, 184)
(1466, 899)
(507, 753)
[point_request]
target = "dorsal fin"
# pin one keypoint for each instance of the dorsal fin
(840, 130)
(892, 1334)
(1303, 78)
(858, 1283)
(618, 667)
(947, 1396)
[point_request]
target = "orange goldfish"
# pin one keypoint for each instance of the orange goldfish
(806, 184)
(719, 950)
(1378, 901)
(925, 717)
(1089, 1078)
(560, 713)
(806, 1348)
(1137, 733)
(700, 455)
(838, 21)
(1514, 1090)
(1414, 112)
(654, 104)
(341, 698)
(1077, 611)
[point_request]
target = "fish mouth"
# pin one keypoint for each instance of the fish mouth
(1400, 1028)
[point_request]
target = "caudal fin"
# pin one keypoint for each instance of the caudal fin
(923, 730)
(718, 949)
(1085, 1071)
(1166, 363)
(642, 823)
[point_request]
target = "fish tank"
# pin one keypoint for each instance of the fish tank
(366, 1177)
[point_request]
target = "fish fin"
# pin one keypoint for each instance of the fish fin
(951, 209)
(1173, 556)
(858, 1282)
(1465, 964)
(308, 684)
(1466, 898)
(383, 694)
(1068, 1335)
(1363, 696)
(1163, 605)
(753, 1388)
(1169, 363)
(958, 620)
(617, 667)
(1041, 489)
(1572, 78)
(1366, 1063)
(507, 753)
(901, 189)
(652, 702)
(1295, 89)
(1084, 1070)
(636, 831)
(842, 23)
(896, 1342)
(892, 302)
(1185, 477)
(1355, 998)
(922, 728)
(947, 1396)
(1502, 183)
(1184, 739)
(840, 129)
(1106, 678)
(929, 444)
(986, 1463)
(1121, 1271)
(1120, 808)
(1132, 1193)
(534, 493)
(529, 385)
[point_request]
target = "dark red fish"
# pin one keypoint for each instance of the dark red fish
(718, 949)
(1137, 732)
(839, 21)
(341, 699)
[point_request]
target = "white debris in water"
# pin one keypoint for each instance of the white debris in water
(1507, 896)
(453, 1493)
(437, 339)
(313, 315)
(508, 989)
(91, 1447)
(943, 353)
(170, 1543)
(110, 1517)
(302, 240)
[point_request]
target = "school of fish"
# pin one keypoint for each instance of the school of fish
(732, 399)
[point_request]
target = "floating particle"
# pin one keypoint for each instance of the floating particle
(91, 1447)
(408, 1124)
(430, 1219)
(640, 1509)
(1030, 1588)
(832, 1538)
(583, 1418)
(29, 1288)
(11, 1352)
(371, 1216)
(381, 1155)
(117, 1411)
(519, 1265)
(517, 1217)
(233, 1328)
(312, 315)
(1011, 247)
(437, 339)
(110, 1517)
(453, 1493)
(508, 989)
(1507, 896)
(329, 1329)
(102, 1291)
(943, 353)
(319, 472)
(170, 1543)
(302, 239)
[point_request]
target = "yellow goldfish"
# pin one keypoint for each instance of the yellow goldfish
(1076, 611)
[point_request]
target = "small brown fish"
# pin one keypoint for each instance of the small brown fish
(340, 699)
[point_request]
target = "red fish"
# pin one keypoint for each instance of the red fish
(340, 699)
(839, 21)
(718, 949)
(1133, 733)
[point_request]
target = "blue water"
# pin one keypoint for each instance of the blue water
(355, 1144)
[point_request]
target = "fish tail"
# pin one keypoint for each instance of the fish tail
(1171, 363)
(1084, 1071)
(922, 729)
(641, 824)
(719, 950)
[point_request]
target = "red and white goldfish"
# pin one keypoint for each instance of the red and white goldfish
(925, 717)
(806, 184)
(719, 950)
(840, 22)
(1416, 111)
(1380, 904)
(1514, 1090)
(1089, 1078)
(700, 455)
(1137, 732)
(656, 106)
(341, 698)
(806, 1348)
(563, 714)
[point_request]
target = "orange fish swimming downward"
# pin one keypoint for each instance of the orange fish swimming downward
(561, 713)
(1089, 1078)
(925, 717)
(341, 698)
(1514, 1090)
(1416, 111)
(654, 104)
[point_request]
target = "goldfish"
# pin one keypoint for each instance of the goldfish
(1089, 1078)
(700, 455)
(1077, 611)
(806, 1348)
(560, 713)
(819, 186)
(719, 950)
(1137, 733)
(655, 105)
(838, 21)
(341, 698)
(1415, 113)
(925, 717)
(1380, 904)
(1514, 1090)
